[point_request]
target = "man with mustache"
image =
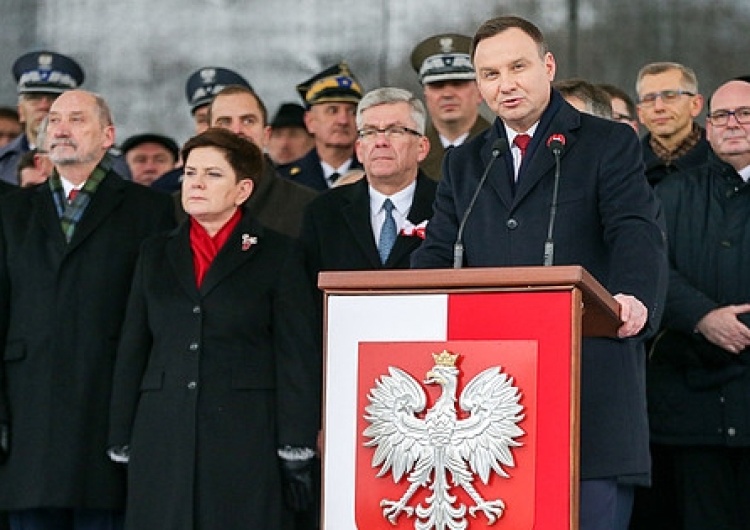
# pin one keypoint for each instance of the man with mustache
(331, 98)
(67, 253)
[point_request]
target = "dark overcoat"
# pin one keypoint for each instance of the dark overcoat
(61, 309)
(210, 382)
(699, 393)
(606, 222)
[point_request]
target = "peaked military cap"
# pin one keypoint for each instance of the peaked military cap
(46, 72)
(205, 83)
(289, 115)
(334, 84)
(443, 57)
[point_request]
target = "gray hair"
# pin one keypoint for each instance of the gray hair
(689, 79)
(385, 95)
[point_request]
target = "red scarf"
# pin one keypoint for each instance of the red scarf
(205, 248)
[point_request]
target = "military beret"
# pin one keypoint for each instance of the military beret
(443, 57)
(46, 72)
(334, 84)
(150, 138)
(205, 83)
(289, 115)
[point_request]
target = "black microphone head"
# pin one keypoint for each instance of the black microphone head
(499, 147)
(556, 143)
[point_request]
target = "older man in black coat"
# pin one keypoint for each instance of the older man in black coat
(67, 252)
(343, 228)
(606, 222)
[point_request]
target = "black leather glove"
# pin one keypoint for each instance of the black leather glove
(297, 481)
(4, 442)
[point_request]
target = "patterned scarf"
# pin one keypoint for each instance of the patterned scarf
(70, 213)
(690, 141)
(205, 248)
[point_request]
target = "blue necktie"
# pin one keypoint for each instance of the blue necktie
(387, 232)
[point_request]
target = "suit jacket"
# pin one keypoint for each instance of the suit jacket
(61, 308)
(337, 234)
(606, 221)
(433, 163)
(211, 381)
(308, 171)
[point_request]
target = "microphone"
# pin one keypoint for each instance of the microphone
(499, 147)
(556, 144)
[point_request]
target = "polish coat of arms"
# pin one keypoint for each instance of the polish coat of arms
(443, 451)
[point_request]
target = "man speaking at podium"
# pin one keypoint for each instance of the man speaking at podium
(549, 185)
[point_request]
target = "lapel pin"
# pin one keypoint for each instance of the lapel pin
(248, 241)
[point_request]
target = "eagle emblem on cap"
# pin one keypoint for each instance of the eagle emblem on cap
(45, 61)
(446, 44)
(208, 75)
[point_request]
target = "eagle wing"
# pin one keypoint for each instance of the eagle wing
(485, 438)
(401, 438)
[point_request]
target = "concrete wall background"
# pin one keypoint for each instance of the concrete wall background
(138, 53)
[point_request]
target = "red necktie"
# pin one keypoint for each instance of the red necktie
(522, 142)
(72, 195)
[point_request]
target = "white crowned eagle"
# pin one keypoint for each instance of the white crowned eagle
(441, 451)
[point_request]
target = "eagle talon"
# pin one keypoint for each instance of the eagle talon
(492, 510)
(392, 509)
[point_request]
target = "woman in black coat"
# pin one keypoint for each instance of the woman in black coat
(216, 395)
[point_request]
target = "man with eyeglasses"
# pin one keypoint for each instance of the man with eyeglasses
(668, 103)
(351, 227)
(699, 371)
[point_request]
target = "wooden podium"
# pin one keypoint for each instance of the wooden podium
(387, 463)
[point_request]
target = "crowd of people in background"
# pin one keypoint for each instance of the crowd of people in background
(160, 319)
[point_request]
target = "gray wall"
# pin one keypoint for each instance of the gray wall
(138, 53)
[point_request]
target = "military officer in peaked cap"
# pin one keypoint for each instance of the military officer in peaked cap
(41, 77)
(443, 63)
(203, 85)
(331, 98)
(200, 89)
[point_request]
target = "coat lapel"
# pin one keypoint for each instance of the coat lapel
(357, 217)
(235, 252)
(421, 210)
(181, 258)
(500, 174)
(107, 197)
(43, 205)
(542, 162)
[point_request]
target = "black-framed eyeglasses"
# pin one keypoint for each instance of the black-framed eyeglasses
(720, 118)
(393, 132)
(667, 96)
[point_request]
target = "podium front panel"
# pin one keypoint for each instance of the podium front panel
(525, 342)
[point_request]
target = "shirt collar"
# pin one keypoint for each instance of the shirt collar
(401, 200)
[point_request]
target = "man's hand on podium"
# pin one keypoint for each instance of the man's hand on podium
(633, 315)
